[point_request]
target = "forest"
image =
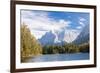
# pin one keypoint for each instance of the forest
(66, 48)
(31, 47)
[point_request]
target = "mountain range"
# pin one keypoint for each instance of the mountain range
(83, 37)
(65, 36)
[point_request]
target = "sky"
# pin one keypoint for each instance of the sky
(39, 22)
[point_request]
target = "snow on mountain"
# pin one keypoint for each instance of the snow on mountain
(54, 37)
(59, 36)
(48, 38)
(70, 35)
(83, 37)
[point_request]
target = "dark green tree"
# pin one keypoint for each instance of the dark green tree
(84, 47)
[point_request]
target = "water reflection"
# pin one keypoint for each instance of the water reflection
(58, 57)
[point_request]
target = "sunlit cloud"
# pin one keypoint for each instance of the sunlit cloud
(38, 21)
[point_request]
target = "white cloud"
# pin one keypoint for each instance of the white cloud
(81, 21)
(79, 27)
(38, 34)
(38, 21)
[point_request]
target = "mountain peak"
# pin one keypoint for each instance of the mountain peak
(70, 36)
(48, 38)
(83, 37)
(58, 37)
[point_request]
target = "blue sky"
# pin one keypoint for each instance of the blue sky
(74, 17)
(41, 22)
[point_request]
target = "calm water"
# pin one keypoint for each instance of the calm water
(58, 57)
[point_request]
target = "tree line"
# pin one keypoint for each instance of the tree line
(66, 48)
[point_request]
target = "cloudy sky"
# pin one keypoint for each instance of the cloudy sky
(40, 22)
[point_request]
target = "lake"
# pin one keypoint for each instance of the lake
(58, 57)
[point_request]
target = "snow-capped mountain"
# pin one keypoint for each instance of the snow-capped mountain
(58, 37)
(48, 38)
(70, 35)
(83, 37)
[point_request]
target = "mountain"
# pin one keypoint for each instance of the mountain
(58, 37)
(83, 37)
(48, 38)
(70, 35)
